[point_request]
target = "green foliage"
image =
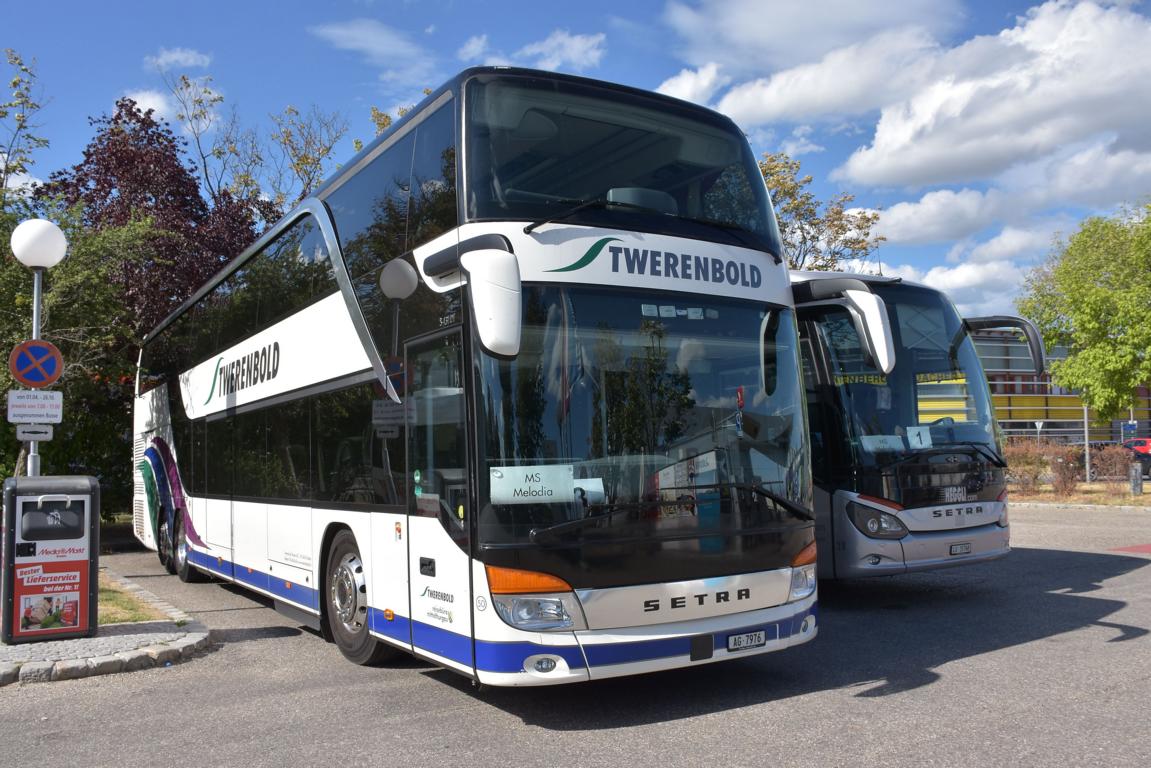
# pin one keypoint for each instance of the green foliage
(816, 235)
(1092, 296)
(18, 139)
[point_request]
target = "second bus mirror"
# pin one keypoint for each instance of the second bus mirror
(494, 285)
(876, 327)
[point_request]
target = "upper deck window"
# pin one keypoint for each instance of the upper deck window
(537, 147)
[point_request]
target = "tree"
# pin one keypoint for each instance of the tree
(1092, 296)
(811, 239)
(18, 138)
(268, 173)
(134, 170)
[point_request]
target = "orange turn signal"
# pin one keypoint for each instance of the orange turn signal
(806, 556)
(512, 581)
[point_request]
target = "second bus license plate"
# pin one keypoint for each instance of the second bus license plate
(961, 549)
(745, 640)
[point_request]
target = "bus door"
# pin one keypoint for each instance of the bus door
(439, 559)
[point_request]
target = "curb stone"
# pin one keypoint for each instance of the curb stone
(197, 639)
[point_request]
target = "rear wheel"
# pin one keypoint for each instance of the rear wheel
(185, 570)
(346, 592)
(164, 548)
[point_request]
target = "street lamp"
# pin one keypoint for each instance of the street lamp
(39, 245)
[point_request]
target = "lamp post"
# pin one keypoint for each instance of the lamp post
(39, 245)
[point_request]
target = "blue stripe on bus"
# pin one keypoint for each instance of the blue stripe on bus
(253, 579)
(441, 642)
(399, 628)
(509, 657)
(300, 594)
(291, 591)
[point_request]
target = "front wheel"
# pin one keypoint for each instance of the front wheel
(347, 602)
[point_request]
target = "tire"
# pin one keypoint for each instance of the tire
(164, 549)
(346, 596)
(187, 572)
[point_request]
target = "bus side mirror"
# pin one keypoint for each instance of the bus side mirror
(876, 331)
(1034, 340)
(494, 285)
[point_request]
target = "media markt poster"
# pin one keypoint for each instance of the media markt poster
(46, 598)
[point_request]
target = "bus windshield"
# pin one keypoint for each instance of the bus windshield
(634, 416)
(935, 397)
(541, 149)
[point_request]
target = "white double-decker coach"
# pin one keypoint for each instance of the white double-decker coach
(517, 391)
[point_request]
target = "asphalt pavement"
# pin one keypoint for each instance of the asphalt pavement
(1043, 658)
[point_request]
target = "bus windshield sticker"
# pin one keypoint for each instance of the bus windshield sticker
(882, 443)
(919, 437)
(666, 310)
(547, 483)
(649, 310)
(695, 313)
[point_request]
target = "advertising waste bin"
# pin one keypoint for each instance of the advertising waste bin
(50, 558)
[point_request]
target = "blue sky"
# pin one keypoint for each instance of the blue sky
(983, 130)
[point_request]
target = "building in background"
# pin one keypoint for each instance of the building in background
(1029, 405)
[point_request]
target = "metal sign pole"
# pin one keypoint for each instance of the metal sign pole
(37, 288)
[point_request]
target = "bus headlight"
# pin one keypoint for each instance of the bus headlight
(874, 523)
(802, 582)
(540, 613)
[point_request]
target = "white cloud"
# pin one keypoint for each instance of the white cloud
(17, 181)
(1015, 243)
(800, 142)
(1089, 175)
(159, 102)
(696, 85)
(940, 215)
(747, 36)
(976, 289)
(852, 80)
(1065, 73)
(173, 58)
(473, 48)
(404, 64)
(562, 49)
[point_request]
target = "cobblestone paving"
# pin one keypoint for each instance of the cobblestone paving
(114, 648)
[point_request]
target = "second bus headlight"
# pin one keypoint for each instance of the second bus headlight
(540, 613)
(874, 523)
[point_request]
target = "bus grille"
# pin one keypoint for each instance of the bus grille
(139, 514)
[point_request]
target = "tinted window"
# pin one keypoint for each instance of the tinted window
(218, 458)
(432, 210)
(371, 209)
(287, 471)
(358, 447)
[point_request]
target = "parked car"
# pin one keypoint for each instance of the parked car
(1138, 444)
(1143, 457)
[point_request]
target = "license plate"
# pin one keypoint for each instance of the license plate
(742, 642)
(961, 549)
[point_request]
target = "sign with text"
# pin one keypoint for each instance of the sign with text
(35, 407)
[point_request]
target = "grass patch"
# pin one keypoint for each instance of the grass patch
(1108, 494)
(120, 607)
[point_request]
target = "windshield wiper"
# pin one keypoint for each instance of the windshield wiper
(552, 531)
(782, 501)
(983, 449)
(595, 202)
